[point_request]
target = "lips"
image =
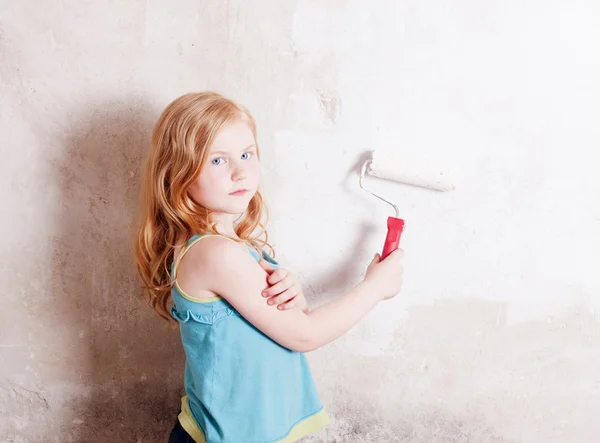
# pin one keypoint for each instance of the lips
(239, 192)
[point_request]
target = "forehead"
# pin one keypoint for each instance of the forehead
(232, 137)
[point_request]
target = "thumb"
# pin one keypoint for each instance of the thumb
(266, 266)
(376, 259)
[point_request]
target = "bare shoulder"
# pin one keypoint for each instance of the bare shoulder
(212, 260)
(215, 251)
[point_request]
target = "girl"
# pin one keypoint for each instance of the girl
(244, 321)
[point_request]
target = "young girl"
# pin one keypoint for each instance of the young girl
(243, 320)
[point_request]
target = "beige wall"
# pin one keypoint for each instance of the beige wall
(495, 337)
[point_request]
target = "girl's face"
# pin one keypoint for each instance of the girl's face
(231, 174)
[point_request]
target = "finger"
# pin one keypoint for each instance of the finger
(278, 288)
(278, 275)
(398, 254)
(266, 266)
(284, 297)
(290, 304)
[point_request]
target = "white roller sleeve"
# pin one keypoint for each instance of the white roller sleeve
(408, 168)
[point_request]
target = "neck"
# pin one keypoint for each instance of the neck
(225, 224)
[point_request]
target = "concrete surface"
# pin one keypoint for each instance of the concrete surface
(496, 336)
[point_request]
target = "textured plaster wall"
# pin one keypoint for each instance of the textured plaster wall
(495, 337)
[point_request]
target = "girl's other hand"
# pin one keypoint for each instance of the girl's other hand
(284, 290)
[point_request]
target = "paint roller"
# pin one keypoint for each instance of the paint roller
(404, 168)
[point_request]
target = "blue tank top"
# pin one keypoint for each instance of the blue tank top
(240, 386)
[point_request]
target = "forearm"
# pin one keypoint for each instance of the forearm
(332, 320)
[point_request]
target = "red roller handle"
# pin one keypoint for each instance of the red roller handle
(392, 239)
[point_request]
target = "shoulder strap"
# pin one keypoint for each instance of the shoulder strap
(269, 259)
(191, 242)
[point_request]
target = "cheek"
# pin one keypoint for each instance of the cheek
(209, 186)
(256, 170)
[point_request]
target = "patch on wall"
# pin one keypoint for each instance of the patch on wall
(330, 104)
(20, 405)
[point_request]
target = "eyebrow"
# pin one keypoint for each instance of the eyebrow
(253, 145)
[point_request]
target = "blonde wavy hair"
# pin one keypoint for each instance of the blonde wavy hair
(181, 141)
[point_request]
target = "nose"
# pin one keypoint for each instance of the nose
(239, 172)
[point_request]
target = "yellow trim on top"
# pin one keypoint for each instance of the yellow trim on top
(196, 299)
(306, 426)
(187, 422)
(180, 257)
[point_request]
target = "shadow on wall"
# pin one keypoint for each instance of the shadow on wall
(348, 269)
(128, 361)
(328, 284)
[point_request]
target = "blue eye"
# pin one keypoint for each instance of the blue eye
(246, 155)
(217, 161)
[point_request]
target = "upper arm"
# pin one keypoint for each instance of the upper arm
(234, 274)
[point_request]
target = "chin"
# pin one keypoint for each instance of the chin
(235, 209)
